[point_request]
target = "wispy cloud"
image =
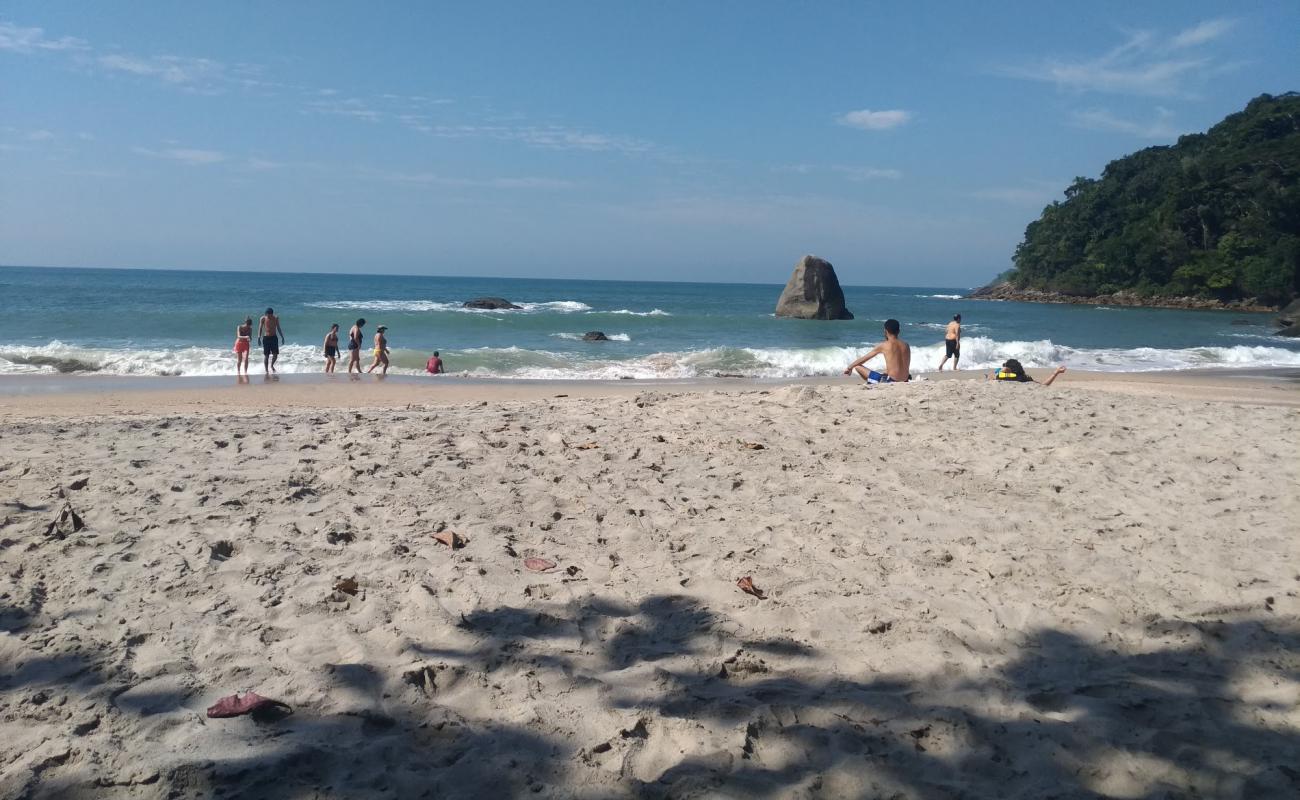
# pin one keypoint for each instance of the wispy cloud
(1144, 64)
(547, 137)
(40, 136)
(184, 155)
(1034, 193)
(1204, 32)
(853, 173)
(1099, 119)
(17, 39)
(868, 120)
(173, 70)
(434, 179)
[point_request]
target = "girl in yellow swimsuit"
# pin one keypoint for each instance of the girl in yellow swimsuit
(381, 350)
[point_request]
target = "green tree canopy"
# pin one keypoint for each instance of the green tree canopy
(1216, 215)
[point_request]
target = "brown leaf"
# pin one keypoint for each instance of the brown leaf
(586, 446)
(753, 446)
(236, 706)
(347, 586)
(453, 540)
(747, 586)
(539, 564)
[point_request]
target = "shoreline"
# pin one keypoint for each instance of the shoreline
(64, 396)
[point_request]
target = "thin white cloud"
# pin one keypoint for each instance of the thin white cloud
(1018, 195)
(40, 136)
(1144, 64)
(434, 179)
(869, 173)
(17, 39)
(173, 70)
(548, 137)
(869, 120)
(1099, 119)
(184, 155)
(1204, 32)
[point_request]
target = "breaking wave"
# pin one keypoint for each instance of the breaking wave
(593, 363)
(417, 306)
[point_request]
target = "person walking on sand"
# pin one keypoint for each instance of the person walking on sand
(898, 358)
(269, 331)
(331, 348)
(381, 350)
(243, 341)
(434, 364)
(355, 337)
(952, 343)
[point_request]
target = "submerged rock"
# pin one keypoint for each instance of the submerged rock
(491, 303)
(813, 292)
(595, 336)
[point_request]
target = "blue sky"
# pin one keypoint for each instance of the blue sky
(907, 143)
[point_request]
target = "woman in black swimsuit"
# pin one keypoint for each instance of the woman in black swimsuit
(354, 347)
(331, 348)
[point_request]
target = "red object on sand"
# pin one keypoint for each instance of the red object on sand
(539, 564)
(236, 706)
(746, 585)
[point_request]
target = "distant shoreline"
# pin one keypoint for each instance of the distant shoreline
(1005, 291)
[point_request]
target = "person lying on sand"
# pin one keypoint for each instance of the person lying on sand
(1013, 372)
(898, 358)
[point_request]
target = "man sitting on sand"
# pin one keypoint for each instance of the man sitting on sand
(898, 358)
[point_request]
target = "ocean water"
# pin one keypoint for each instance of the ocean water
(149, 322)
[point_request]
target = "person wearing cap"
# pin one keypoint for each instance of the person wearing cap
(381, 350)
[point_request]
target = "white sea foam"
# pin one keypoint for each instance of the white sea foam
(654, 312)
(978, 352)
(941, 296)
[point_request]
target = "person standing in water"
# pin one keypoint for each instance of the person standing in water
(331, 348)
(270, 332)
(355, 337)
(952, 343)
(243, 342)
(381, 350)
(898, 358)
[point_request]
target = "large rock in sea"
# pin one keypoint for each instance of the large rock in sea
(1290, 313)
(595, 336)
(491, 303)
(813, 292)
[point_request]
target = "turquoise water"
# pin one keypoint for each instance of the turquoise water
(151, 322)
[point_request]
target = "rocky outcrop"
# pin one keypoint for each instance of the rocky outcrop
(813, 292)
(1290, 313)
(491, 304)
(1005, 291)
(595, 336)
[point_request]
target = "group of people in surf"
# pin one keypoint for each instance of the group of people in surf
(898, 359)
(270, 334)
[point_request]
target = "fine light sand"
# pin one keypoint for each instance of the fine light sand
(973, 590)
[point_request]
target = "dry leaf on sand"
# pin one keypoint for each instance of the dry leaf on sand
(453, 540)
(747, 586)
(237, 706)
(347, 586)
(539, 564)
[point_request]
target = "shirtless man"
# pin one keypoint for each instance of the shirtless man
(381, 350)
(898, 358)
(354, 346)
(952, 343)
(331, 348)
(269, 331)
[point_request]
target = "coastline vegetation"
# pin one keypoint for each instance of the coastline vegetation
(1215, 216)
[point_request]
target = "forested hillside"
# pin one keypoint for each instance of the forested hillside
(1216, 216)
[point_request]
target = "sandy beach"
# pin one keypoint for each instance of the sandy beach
(969, 589)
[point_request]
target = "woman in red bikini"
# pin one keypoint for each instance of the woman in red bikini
(243, 335)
